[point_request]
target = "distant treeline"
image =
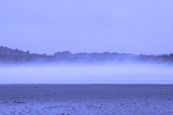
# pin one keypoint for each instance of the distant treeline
(8, 55)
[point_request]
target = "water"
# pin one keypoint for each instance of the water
(91, 73)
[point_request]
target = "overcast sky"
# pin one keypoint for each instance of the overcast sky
(125, 26)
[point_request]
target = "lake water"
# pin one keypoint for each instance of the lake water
(100, 73)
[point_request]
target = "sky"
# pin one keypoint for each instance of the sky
(125, 26)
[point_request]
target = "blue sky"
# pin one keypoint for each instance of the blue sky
(126, 26)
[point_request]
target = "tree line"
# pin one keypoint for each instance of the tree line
(8, 55)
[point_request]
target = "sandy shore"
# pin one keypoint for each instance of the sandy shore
(86, 99)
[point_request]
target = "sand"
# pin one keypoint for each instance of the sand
(88, 99)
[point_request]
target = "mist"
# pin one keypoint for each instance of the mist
(87, 74)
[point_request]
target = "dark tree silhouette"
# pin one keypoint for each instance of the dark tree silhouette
(8, 55)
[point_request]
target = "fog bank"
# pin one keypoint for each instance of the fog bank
(72, 74)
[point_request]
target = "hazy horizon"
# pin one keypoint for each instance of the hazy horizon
(126, 26)
(87, 74)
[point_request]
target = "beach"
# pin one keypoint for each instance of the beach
(86, 99)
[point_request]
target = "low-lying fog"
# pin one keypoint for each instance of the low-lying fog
(101, 73)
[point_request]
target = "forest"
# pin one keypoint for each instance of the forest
(15, 56)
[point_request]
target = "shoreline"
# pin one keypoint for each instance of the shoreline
(81, 99)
